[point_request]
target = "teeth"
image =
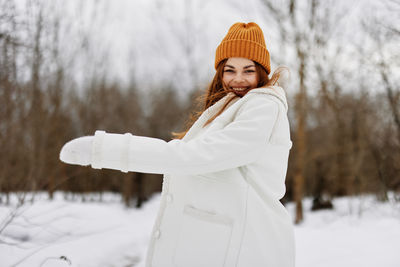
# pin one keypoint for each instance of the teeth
(239, 89)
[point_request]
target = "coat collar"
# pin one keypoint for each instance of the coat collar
(275, 91)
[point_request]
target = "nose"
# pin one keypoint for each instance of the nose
(238, 78)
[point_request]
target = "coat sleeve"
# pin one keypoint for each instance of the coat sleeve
(240, 142)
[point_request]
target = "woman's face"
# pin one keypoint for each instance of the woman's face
(240, 74)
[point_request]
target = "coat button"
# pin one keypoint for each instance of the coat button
(169, 198)
(157, 234)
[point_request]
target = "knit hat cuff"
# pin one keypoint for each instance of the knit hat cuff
(243, 48)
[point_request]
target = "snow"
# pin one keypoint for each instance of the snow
(358, 232)
(87, 233)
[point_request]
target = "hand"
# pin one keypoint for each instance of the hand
(78, 151)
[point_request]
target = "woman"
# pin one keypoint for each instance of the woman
(223, 179)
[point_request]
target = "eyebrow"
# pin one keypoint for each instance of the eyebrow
(245, 67)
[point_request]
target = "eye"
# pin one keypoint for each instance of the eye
(228, 70)
(249, 71)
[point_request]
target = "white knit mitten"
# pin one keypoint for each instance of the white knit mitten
(78, 151)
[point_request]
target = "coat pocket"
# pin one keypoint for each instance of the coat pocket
(203, 239)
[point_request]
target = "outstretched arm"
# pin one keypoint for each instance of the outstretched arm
(239, 143)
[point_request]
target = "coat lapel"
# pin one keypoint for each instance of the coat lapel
(208, 113)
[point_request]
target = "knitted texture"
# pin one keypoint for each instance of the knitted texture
(244, 40)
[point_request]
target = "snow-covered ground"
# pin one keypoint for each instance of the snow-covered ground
(358, 232)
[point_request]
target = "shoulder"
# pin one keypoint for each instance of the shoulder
(271, 93)
(257, 105)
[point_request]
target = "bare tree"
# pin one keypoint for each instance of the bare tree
(383, 57)
(295, 25)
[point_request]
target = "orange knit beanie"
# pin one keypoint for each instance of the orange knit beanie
(244, 40)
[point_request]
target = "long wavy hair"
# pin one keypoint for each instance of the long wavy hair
(217, 90)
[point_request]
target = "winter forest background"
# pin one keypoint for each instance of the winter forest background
(68, 68)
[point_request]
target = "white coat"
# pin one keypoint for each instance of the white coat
(221, 188)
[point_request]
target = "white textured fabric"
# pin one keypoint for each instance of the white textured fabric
(221, 188)
(78, 151)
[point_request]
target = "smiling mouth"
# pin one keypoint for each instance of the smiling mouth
(239, 88)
